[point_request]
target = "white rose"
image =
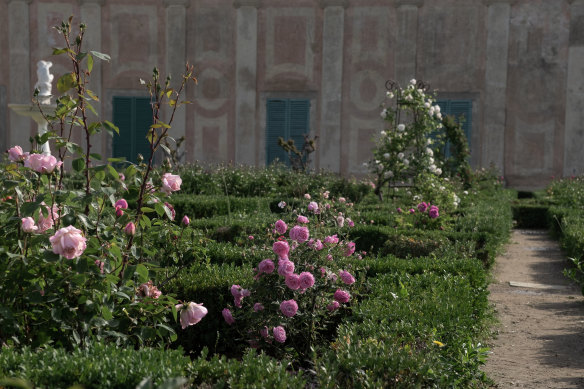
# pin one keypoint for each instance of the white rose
(388, 174)
(438, 171)
(429, 152)
(383, 133)
(437, 108)
(406, 162)
(400, 155)
(413, 81)
(383, 113)
(386, 155)
(401, 127)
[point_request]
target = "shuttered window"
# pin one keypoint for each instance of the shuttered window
(133, 116)
(289, 119)
(458, 109)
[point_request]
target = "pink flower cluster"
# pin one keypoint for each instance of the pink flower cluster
(299, 234)
(148, 289)
(281, 227)
(433, 212)
(41, 163)
(238, 294)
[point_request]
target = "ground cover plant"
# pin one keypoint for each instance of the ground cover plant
(135, 275)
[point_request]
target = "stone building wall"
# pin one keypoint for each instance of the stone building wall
(521, 62)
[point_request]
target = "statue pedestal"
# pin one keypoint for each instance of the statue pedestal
(33, 112)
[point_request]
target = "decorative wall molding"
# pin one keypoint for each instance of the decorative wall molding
(333, 3)
(247, 3)
(184, 3)
(417, 3)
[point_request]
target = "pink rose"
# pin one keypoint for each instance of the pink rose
(119, 212)
(68, 242)
(289, 308)
(293, 281)
(317, 245)
(422, 207)
(28, 225)
(342, 200)
(227, 316)
(100, 264)
(281, 249)
(333, 239)
(192, 314)
(347, 277)
(285, 267)
(44, 223)
(148, 289)
(349, 222)
(122, 204)
(185, 220)
(333, 306)
(281, 227)
(350, 249)
(15, 154)
(313, 207)
(238, 294)
(340, 221)
(299, 234)
(258, 307)
(279, 334)
(170, 183)
(266, 266)
(307, 196)
(130, 229)
(306, 280)
(41, 163)
(342, 296)
(264, 332)
(302, 219)
(433, 212)
(172, 211)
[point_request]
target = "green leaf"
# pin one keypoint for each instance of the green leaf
(113, 172)
(142, 273)
(110, 127)
(102, 56)
(159, 209)
(147, 209)
(57, 51)
(106, 313)
(78, 164)
(145, 222)
(89, 63)
(92, 95)
(66, 82)
(165, 148)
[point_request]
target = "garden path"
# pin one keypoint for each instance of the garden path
(540, 339)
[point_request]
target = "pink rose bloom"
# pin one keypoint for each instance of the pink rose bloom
(399, 210)
(316, 244)
(28, 225)
(289, 308)
(44, 223)
(333, 306)
(266, 266)
(68, 242)
(170, 183)
(227, 316)
(329, 257)
(313, 206)
(349, 222)
(342, 200)
(122, 176)
(422, 207)
(250, 237)
(130, 229)
(119, 212)
(347, 277)
(333, 239)
(258, 307)
(340, 221)
(307, 196)
(433, 212)
(326, 194)
(148, 289)
(279, 334)
(306, 280)
(299, 234)
(16, 154)
(281, 227)
(281, 248)
(293, 281)
(302, 219)
(412, 210)
(122, 204)
(41, 163)
(350, 249)
(342, 296)
(191, 314)
(185, 220)
(285, 267)
(238, 294)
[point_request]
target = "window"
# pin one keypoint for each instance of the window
(458, 108)
(289, 119)
(133, 116)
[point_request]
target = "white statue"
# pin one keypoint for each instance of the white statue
(44, 81)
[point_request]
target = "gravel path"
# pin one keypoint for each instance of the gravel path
(540, 340)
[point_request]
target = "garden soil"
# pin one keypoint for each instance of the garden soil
(539, 342)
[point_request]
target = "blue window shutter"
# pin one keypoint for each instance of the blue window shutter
(122, 117)
(299, 121)
(276, 126)
(133, 116)
(463, 108)
(142, 123)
